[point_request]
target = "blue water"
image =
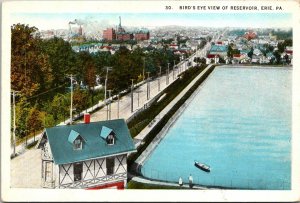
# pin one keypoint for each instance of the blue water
(239, 123)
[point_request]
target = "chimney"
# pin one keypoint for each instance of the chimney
(87, 118)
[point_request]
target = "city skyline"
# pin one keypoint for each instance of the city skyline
(48, 21)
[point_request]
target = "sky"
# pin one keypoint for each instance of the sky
(45, 21)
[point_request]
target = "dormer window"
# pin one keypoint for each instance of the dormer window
(77, 144)
(76, 140)
(108, 135)
(110, 139)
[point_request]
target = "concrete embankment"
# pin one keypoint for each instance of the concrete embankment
(167, 117)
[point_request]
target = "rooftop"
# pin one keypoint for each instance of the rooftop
(94, 144)
(218, 48)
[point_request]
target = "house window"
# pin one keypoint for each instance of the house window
(110, 139)
(77, 144)
(110, 164)
(48, 175)
(77, 168)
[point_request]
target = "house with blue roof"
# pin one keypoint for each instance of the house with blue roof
(91, 155)
(220, 50)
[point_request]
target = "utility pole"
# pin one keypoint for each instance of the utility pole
(109, 109)
(174, 70)
(132, 95)
(148, 87)
(105, 88)
(118, 105)
(159, 74)
(144, 69)
(14, 121)
(71, 106)
(167, 76)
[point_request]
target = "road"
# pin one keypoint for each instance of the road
(139, 96)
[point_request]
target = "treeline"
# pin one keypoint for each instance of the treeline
(40, 71)
(283, 34)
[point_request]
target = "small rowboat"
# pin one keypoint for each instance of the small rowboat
(202, 166)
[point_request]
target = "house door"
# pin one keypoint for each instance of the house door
(48, 171)
(110, 164)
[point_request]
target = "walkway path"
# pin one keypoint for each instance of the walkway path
(154, 182)
(139, 99)
(25, 170)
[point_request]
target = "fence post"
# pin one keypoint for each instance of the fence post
(151, 173)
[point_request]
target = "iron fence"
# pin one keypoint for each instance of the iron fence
(217, 181)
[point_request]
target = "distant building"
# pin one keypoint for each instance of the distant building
(212, 58)
(142, 34)
(124, 36)
(220, 50)
(121, 34)
(109, 34)
(250, 35)
(86, 155)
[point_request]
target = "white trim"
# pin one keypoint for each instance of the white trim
(99, 157)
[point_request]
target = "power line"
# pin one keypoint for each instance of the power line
(45, 92)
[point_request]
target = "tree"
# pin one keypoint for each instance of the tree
(34, 120)
(221, 60)
(277, 56)
(90, 75)
(48, 119)
(22, 109)
(250, 54)
(102, 59)
(30, 69)
(229, 52)
(80, 100)
(59, 107)
(61, 58)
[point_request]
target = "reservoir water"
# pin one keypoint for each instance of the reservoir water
(239, 123)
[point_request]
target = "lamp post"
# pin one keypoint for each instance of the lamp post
(132, 95)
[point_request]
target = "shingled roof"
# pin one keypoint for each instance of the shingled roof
(94, 146)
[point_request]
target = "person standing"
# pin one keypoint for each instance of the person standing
(180, 182)
(191, 181)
